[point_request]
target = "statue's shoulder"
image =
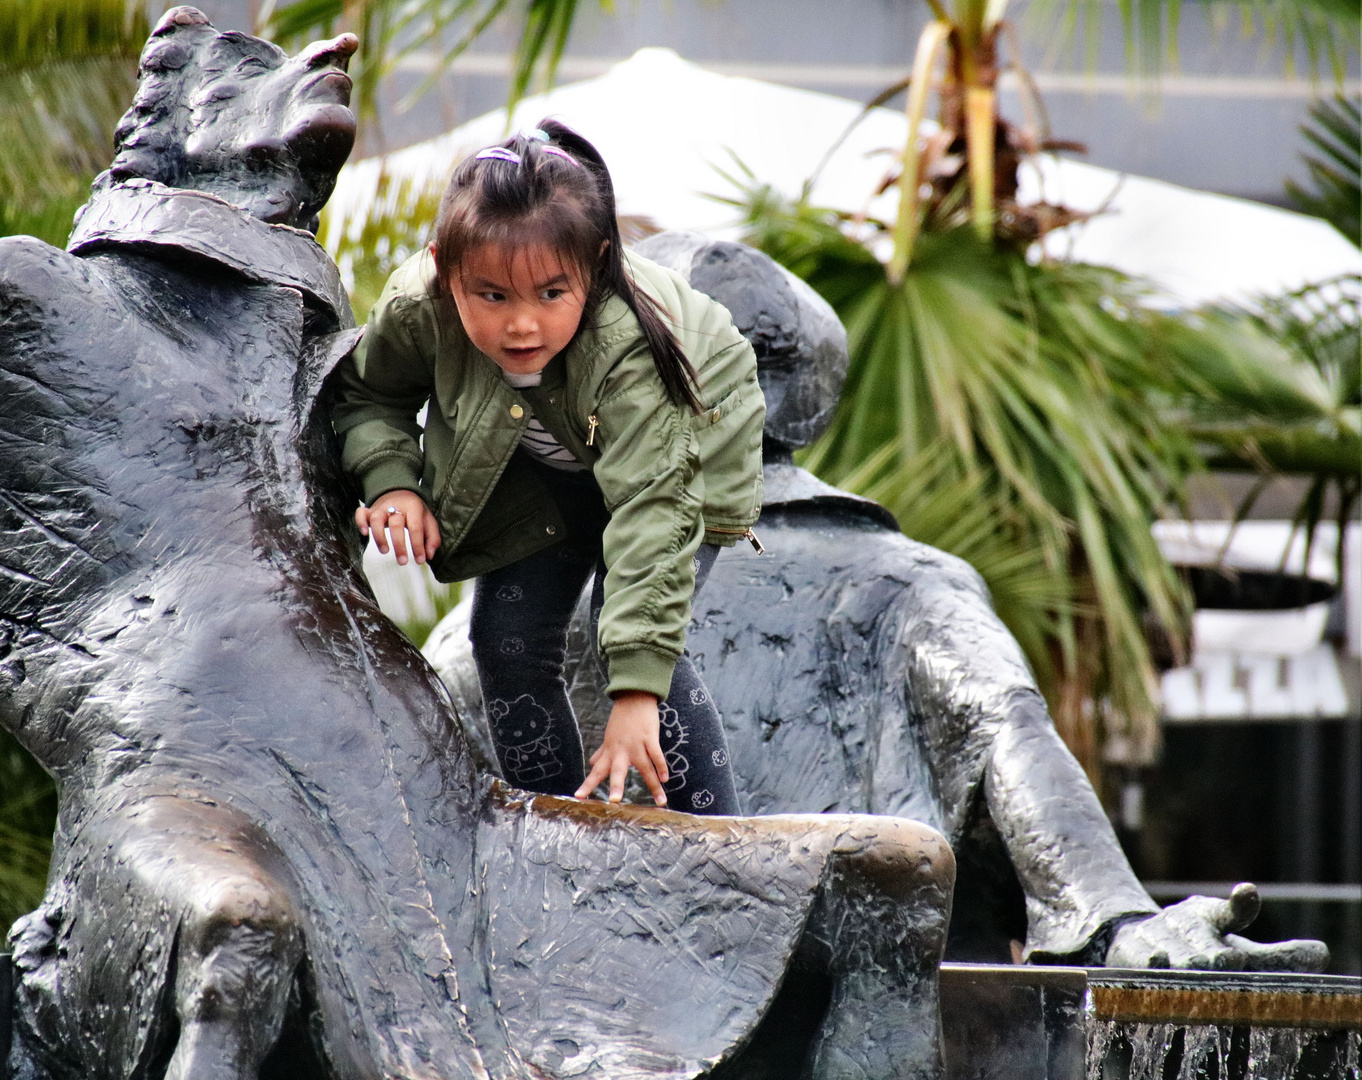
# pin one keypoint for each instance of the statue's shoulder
(55, 307)
(922, 574)
(28, 266)
(43, 280)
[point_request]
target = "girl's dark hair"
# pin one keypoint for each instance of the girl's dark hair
(568, 204)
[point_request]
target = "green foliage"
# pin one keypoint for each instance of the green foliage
(1325, 31)
(369, 249)
(28, 811)
(1335, 192)
(1284, 395)
(1044, 386)
(68, 70)
(390, 30)
(50, 220)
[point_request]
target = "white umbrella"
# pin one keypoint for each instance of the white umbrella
(666, 126)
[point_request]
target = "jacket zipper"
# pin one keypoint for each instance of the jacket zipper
(591, 425)
(746, 534)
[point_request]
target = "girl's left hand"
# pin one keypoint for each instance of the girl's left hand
(631, 738)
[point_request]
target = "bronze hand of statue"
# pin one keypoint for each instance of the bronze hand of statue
(1199, 933)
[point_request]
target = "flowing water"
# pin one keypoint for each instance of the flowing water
(1131, 1051)
(1149, 1046)
(1205, 1052)
(1274, 1053)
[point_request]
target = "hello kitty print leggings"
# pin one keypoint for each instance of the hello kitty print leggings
(519, 634)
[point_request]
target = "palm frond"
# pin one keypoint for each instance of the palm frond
(1287, 397)
(1324, 31)
(1040, 383)
(1335, 191)
(398, 224)
(390, 30)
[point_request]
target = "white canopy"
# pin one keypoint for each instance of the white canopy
(666, 126)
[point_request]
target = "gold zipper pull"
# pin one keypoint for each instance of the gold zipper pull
(751, 538)
(591, 425)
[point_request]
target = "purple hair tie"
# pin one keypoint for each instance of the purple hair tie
(502, 153)
(498, 153)
(558, 151)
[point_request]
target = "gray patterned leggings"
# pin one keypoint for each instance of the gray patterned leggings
(519, 634)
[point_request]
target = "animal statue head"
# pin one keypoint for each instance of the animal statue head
(233, 115)
(800, 343)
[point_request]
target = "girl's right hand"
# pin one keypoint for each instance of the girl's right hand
(631, 738)
(403, 512)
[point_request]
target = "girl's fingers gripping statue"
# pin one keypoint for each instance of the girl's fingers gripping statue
(403, 513)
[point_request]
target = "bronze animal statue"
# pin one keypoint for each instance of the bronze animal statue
(274, 855)
(859, 671)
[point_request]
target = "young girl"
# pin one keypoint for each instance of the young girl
(587, 411)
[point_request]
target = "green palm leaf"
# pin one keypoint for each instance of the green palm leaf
(28, 807)
(1285, 397)
(390, 30)
(1324, 30)
(368, 250)
(68, 70)
(1335, 192)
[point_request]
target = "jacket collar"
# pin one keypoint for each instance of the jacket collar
(175, 224)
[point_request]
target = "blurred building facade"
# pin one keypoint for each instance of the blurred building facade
(1224, 117)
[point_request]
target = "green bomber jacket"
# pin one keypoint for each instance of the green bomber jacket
(671, 479)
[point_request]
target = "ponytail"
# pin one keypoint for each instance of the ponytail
(673, 366)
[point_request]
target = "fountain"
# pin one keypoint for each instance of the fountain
(1217, 1025)
(857, 670)
(276, 855)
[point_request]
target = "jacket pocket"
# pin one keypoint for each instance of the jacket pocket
(729, 438)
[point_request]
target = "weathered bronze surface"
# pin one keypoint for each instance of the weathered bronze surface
(859, 671)
(275, 856)
(1263, 999)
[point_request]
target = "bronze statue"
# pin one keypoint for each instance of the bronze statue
(859, 671)
(274, 854)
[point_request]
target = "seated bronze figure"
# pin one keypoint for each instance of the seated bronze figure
(859, 671)
(275, 856)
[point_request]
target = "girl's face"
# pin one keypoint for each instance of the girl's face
(521, 311)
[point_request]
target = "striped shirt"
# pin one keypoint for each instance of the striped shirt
(536, 438)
